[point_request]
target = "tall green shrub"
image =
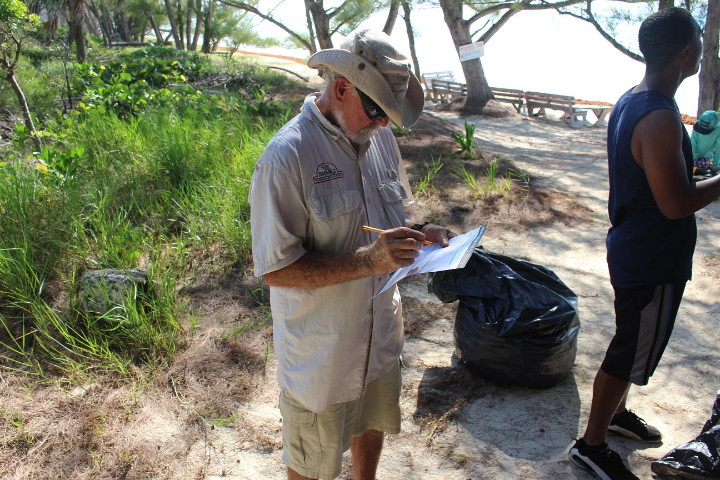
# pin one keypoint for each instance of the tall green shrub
(15, 25)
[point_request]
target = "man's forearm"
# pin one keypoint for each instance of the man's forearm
(696, 196)
(393, 249)
(315, 270)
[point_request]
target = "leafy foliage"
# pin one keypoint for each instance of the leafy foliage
(466, 140)
(144, 171)
(191, 64)
(38, 55)
(13, 13)
(133, 83)
(15, 23)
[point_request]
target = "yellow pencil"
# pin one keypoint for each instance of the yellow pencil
(377, 230)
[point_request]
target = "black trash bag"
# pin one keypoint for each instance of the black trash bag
(699, 458)
(516, 323)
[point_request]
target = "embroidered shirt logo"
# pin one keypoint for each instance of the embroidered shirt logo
(326, 172)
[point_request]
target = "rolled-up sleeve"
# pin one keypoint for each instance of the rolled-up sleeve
(278, 217)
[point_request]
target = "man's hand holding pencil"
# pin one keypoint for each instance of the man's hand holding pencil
(398, 247)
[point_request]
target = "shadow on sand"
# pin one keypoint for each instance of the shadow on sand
(533, 424)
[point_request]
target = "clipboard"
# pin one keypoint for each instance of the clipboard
(434, 258)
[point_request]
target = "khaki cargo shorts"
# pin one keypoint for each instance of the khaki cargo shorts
(314, 443)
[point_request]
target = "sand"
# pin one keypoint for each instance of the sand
(499, 432)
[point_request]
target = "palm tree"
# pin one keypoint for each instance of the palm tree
(75, 13)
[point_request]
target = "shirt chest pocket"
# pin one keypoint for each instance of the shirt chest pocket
(331, 205)
(392, 192)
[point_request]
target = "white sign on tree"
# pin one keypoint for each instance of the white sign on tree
(471, 51)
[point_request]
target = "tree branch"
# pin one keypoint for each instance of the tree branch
(392, 16)
(337, 28)
(18, 44)
(543, 5)
(251, 9)
(485, 37)
(338, 9)
(592, 21)
(478, 30)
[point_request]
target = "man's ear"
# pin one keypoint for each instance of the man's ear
(686, 52)
(341, 88)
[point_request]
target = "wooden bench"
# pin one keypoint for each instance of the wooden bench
(439, 89)
(508, 95)
(427, 79)
(444, 91)
(542, 101)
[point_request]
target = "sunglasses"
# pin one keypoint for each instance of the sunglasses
(372, 109)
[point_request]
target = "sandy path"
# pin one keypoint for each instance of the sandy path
(510, 432)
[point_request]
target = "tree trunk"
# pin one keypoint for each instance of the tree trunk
(392, 16)
(181, 31)
(106, 32)
(322, 23)
(26, 111)
(173, 26)
(107, 23)
(198, 19)
(154, 25)
(709, 98)
(188, 23)
(478, 90)
(311, 31)
(207, 41)
(122, 26)
(411, 37)
(662, 4)
(75, 35)
(92, 22)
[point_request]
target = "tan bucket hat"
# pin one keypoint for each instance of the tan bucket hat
(367, 59)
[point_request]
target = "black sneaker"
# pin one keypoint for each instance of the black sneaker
(630, 425)
(600, 461)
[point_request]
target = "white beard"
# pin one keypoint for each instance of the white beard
(361, 136)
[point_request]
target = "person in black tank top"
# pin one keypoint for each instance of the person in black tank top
(650, 244)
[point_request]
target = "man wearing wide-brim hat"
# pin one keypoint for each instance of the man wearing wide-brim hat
(326, 173)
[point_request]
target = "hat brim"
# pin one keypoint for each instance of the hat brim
(368, 78)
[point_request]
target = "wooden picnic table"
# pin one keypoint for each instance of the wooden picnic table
(600, 111)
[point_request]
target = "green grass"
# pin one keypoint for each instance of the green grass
(143, 191)
(41, 85)
(426, 182)
(470, 179)
(466, 140)
(489, 182)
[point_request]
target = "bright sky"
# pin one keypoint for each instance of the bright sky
(535, 51)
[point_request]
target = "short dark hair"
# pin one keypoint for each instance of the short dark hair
(664, 34)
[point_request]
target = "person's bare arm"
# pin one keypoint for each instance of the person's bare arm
(657, 148)
(392, 250)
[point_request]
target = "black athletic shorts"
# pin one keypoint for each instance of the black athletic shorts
(644, 320)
